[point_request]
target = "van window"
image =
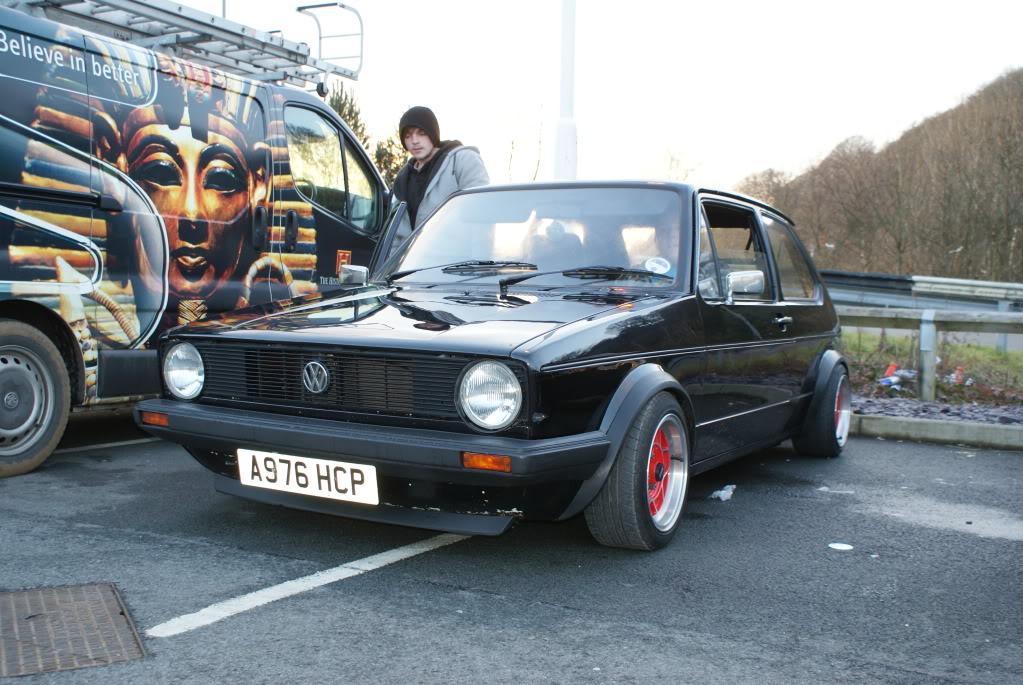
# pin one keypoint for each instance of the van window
(317, 167)
(362, 209)
(44, 258)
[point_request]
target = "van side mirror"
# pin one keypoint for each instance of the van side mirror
(745, 283)
(350, 274)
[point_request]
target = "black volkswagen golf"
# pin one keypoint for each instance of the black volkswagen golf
(532, 351)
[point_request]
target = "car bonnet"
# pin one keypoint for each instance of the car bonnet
(423, 319)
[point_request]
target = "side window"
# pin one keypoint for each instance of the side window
(794, 273)
(709, 282)
(739, 248)
(317, 167)
(362, 196)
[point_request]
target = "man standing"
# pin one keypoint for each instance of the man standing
(437, 168)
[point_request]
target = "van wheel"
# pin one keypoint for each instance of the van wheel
(826, 427)
(35, 397)
(641, 502)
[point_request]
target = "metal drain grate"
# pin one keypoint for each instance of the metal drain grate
(63, 628)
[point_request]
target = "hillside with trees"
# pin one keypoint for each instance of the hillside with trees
(945, 199)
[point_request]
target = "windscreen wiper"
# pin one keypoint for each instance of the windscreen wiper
(456, 266)
(603, 272)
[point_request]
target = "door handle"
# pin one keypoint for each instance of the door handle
(782, 320)
(260, 220)
(290, 230)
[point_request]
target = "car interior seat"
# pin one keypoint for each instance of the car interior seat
(557, 249)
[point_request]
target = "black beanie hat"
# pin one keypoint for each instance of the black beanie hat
(420, 117)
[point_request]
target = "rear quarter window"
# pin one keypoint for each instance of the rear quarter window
(795, 274)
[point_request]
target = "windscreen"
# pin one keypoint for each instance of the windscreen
(550, 229)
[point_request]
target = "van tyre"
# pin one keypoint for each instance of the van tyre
(641, 503)
(826, 427)
(35, 397)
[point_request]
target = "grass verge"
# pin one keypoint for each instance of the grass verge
(966, 372)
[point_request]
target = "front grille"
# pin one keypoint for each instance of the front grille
(363, 382)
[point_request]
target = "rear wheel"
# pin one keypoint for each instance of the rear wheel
(34, 397)
(826, 428)
(641, 502)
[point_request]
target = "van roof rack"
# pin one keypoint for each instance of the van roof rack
(214, 41)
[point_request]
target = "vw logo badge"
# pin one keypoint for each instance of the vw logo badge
(11, 400)
(315, 377)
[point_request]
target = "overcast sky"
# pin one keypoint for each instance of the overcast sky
(710, 92)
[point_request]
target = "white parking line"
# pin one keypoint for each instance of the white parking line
(104, 445)
(230, 607)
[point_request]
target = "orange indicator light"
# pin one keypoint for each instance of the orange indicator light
(153, 418)
(488, 462)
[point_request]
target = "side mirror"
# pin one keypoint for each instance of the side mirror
(351, 274)
(744, 282)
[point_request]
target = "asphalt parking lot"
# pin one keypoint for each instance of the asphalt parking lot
(751, 591)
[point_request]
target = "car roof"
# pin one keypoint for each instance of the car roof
(674, 185)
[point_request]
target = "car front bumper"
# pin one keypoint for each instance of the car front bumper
(421, 478)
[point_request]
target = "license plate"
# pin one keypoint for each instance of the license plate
(307, 476)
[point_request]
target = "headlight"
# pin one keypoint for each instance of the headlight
(490, 395)
(183, 371)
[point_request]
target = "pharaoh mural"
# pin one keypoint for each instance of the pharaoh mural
(198, 152)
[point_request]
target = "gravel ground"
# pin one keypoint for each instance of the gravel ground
(918, 409)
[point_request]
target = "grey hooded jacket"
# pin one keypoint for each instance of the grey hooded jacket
(461, 168)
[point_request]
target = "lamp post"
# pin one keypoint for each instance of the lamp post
(565, 136)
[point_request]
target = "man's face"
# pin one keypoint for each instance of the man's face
(204, 190)
(419, 144)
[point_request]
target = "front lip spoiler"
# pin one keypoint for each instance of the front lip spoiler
(417, 452)
(448, 522)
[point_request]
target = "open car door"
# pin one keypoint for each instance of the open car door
(396, 232)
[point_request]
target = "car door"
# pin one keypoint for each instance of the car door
(330, 200)
(808, 327)
(745, 397)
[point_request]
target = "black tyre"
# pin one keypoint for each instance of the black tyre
(641, 503)
(35, 397)
(826, 428)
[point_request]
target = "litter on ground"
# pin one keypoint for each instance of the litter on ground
(724, 494)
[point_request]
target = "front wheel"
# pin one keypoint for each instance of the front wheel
(641, 502)
(826, 427)
(35, 397)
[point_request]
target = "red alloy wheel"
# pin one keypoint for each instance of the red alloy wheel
(666, 473)
(658, 473)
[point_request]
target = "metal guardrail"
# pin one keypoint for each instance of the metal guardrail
(929, 322)
(924, 292)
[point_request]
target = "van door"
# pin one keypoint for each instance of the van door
(330, 203)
